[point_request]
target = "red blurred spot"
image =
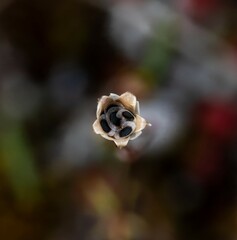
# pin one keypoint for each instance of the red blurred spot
(202, 8)
(218, 119)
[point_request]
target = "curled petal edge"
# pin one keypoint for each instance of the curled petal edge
(122, 142)
(129, 101)
(135, 135)
(103, 102)
(114, 96)
(141, 123)
(107, 137)
(97, 128)
(137, 109)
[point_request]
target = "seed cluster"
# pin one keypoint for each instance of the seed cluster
(117, 121)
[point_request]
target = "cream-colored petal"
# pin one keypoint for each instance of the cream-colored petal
(103, 102)
(135, 135)
(97, 127)
(129, 101)
(114, 96)
(140, 123)
(137, 110)
(104, 135)
(121, 142)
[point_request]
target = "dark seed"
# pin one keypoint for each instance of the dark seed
(116, 121)
(110, 106)
(105, 125)
(128, 116)
(125, 132)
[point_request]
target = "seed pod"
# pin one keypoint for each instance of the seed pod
(118, 118)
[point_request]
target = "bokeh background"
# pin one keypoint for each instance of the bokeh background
(60, 181)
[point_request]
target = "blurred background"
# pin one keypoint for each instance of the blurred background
(60, 181)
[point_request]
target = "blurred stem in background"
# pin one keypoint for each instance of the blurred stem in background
(18, 164)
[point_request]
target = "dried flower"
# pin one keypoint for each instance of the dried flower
(118, 118)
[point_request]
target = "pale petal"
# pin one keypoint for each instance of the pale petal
(107, 137)
(135, 135)
(140, 123)
(129, 101)
(137, 110)
(114, 96)
(122, 142)
(97, 127)
(103, 102)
